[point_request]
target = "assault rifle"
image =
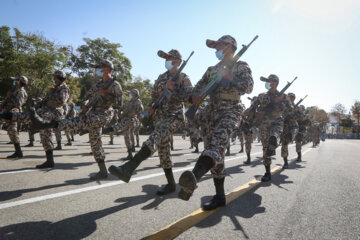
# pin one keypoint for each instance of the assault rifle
(166, 94)
(215, 81)
(300, 101)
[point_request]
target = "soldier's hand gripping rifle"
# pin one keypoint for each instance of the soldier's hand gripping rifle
(215, 80)
(300, 101)
(271, 106)
(97, 99)
(166, 93)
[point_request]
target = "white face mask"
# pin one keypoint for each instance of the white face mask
(99, 73)
(219, 54)
(169, 65)
(268, 85)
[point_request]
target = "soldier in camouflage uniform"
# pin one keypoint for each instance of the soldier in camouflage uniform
(72, 113)
(224, 111)
(270, 113)
(290, 130)
(168, 117)
(303, 122)
(102, 97)
(13, 103)
(130, 110)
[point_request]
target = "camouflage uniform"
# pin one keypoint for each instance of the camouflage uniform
(14, 104)
(100, 114)
(290, 129)
(138, 125)
(303, 122)
(168, 117)
(273, 123)
(223, 111)
(52, 109)
(72, 113)
(113, 121)
(130, 110)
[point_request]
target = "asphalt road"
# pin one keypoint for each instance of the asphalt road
(315, 199)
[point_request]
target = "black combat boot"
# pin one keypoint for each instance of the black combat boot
(111, 142)
(188, 179)
(137, 143)
(267, 175)
(129, 156)
(248, 160)
(37, 123)
(219, 199)
(133, 148)
(125, 171)
(49, 160)
(102, 174)
(227, 151)
(286, 163)
(196, 149)
(58, 147)
(18, 153)
(171, 186)
(242, 149)
(69, 143)
(72, 137)
(31, 144)
(299, 157)
(172, 146)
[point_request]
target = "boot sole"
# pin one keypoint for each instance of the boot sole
(187, 182)
(115, 172)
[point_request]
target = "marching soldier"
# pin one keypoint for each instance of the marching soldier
(36, 104)
(290, 130)
(72, 113)
(128, 119)
(224, 110)
(303, 122)
(168, 117)
(13, 103)
(271, 109)
(105, 94)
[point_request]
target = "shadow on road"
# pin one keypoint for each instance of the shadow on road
(245, 206)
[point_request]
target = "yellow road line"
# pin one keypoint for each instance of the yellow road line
(176, 228)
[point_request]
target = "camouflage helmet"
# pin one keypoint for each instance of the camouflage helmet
(135, 91)
(271, 78)
(290, 94)
(172, 53)
(21, 79)
(103, 63)
(224, 39)
(59, 73)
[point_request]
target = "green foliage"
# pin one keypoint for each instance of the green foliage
(318, 115)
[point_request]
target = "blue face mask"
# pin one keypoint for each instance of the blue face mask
(268, 85)
(14, 83)
(219, 54)
(169, 65)
(99, 73)
(130, 96)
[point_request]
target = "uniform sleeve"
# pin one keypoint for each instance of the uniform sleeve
(116, 94)
(19, 99)
(243, 80)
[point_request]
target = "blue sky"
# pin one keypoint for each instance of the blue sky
(312, 39)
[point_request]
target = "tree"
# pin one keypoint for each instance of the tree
(338, 111)
(145, 88)
(355, 109)
(31, 55)
(317, 115)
